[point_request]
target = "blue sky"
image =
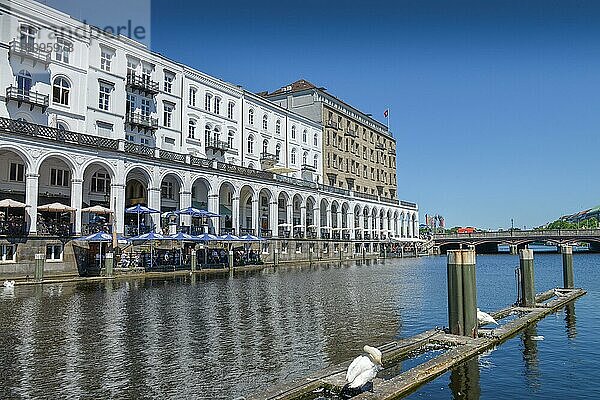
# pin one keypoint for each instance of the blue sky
(494, 104)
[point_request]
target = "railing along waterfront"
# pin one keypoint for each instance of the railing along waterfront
(541, 233)
(11, 127)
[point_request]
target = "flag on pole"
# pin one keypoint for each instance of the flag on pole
(386, 113)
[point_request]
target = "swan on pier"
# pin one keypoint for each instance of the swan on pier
(362, 371)
(485, 318)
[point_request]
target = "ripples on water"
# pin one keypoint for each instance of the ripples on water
(220, 338)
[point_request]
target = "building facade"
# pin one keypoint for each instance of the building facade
(359, 153)
(101, 120)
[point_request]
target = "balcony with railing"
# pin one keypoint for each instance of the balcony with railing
(31, 51)
(269, 158)
(266, 233)
(142, 84)
(217, 146)
(20, 95)
(139, 149)
(141, 121)
(308, 168)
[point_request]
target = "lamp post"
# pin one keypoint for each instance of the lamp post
(512, 226)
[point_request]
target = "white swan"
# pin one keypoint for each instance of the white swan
(9, 284)
(364, 368)
(485, 318)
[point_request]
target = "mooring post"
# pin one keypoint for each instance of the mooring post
(40, 260)
(230, 262)
(455, 306)
(194, 260)
(469, 283)
(567, 258)
(109, 264)
(513, 249)
(527, 278)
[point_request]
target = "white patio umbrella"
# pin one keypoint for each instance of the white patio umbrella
(56, 207)
(97, 210)
(10, 203)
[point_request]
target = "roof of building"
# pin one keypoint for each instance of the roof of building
(302, 84)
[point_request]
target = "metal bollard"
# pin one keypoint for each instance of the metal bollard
(40, 260)
(109, 264)
(567, 259)
(527, 278)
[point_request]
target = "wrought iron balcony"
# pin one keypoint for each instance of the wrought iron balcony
(32, 51)
(141, 121)
(308, 167)
(268, 157)
(27, 96)
(217, 145)
(143, 84)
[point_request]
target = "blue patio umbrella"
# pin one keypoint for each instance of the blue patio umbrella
(251, 238)
(140, 210)
(206, 237)
(229, 238)
(100, 237)
(206, 214)
(182, 237)
(189, 211)
(151, 236)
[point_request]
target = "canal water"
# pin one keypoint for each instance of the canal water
(220, 338)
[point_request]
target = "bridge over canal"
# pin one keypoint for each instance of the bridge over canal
(487, 242)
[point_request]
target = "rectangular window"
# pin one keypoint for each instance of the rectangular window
(131, 67)
(104, 129)
(130, 104)
(100, 182)
(63, 48)
(54, 252)
(105, 60)
(192, 97)
(145, 108)
(168, 116)
(145, 141)
(217, 105)
(59, 177)
(207, 101)
(166, 190)
(8, 252)
(17, 172)
(104, 96)
(130, 138)
(169, 78)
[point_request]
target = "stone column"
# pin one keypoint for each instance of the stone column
(76, 202)
(361, 224)
(185, 201)
(416, 228)
(213, 206)
(31, 199)
(274, 218)
(235, 214)
(303, 218)
(289, 211)
(410, 228)
(117, 194)
(256, 215)
(154, 203)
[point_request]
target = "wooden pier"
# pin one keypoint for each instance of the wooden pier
(457, 350)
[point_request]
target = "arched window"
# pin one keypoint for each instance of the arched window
(24, 82)
(251, 116)
(278, 127)
(278, 150)
(304, 158)
(293, 157)
(62, 126)
(251, 166)
(230, 109)
(207, 131)
(217, 105)
(316, 140)
(250, 144)
(304, 136)
(265, 146)
(60, 91)
(217, 134)
(293, 131)
(316, 161)
(265, 122)
(230, 138)
(192, 129)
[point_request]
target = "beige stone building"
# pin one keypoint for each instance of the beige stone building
(359, 153)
